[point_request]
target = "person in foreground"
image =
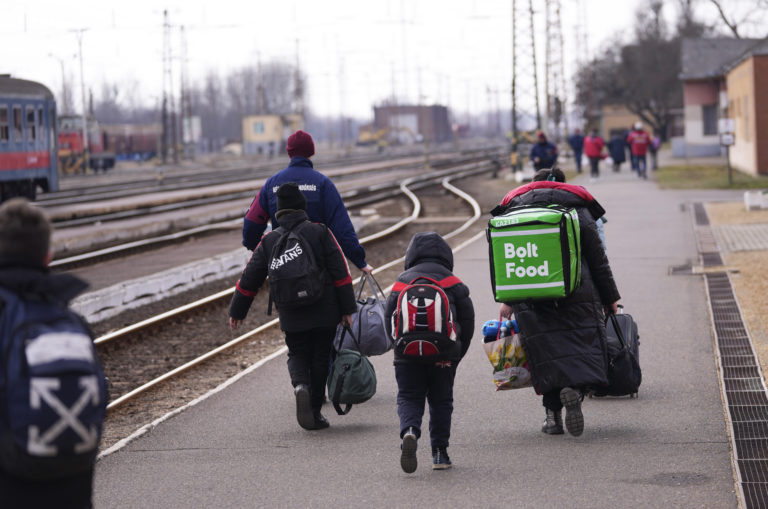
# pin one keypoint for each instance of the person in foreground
(429, 256)
(310, 328)
(25, 235)
(565, 339)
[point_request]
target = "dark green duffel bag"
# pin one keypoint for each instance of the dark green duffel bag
(352, 379)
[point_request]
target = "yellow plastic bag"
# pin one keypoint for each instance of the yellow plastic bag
(510, 363)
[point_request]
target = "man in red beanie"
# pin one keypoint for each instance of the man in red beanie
(324, 204)
(300, 144)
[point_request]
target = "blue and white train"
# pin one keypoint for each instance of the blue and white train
(27, 139)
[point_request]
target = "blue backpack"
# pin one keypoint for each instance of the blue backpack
(53, 394)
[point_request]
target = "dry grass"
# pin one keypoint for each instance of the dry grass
(750, 281)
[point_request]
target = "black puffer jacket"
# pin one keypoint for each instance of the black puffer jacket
(429, 255)
(338, 295)
(35, 282)
(565, 339)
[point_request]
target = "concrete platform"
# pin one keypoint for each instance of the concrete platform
(242, 447)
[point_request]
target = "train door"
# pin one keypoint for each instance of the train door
(53, 147)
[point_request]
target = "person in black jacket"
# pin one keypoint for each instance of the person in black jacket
(309, 329)
(428, 255)
(25, 235)
(565, 339)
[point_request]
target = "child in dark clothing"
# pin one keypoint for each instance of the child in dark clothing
(309, 329)
(428, 255)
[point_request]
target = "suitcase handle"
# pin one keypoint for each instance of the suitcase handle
(618, 331)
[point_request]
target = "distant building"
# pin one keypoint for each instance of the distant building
(747, 105)
(411, 124)
(614, 119)
(266, 134)
(704, 63)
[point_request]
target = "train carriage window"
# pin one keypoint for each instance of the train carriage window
(18, 133)
(31, 125)
(40, 125)
(4, 131)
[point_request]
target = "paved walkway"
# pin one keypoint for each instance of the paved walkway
(242, 448)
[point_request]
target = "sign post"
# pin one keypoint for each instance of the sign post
(726, 127)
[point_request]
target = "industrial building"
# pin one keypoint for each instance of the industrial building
(410, 124)
(266, 134)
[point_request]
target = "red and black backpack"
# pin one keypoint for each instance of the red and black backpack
(422, 323)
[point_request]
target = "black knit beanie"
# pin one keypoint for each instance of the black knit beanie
(289, 197)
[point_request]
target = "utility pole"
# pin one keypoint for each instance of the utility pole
(64, 88)
(170, 134)
(525, 83)
(185, 104)
(166, 70)
(513, 110)
(298, 86)
(86, 148)
(554, 80)
(535, 72)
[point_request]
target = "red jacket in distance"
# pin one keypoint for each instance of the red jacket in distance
(639, 141)
(593, 146)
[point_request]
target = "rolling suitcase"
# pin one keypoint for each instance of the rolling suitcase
(623, 345)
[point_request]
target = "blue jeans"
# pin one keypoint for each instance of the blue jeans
(417, 383)
(577, 157)
(641, 165)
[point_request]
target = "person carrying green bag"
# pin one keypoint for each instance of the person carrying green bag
(310, 318)
(564, 337)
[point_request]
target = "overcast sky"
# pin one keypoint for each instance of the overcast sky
(355, 53)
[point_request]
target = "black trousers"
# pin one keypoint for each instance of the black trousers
(309, 353)
(551, 400)
(594, 166)
(433, 383)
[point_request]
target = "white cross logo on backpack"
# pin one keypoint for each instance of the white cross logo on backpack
(42, 389)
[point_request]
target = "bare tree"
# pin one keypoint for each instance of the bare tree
(641, 76)
(687, 24)
(749, 13)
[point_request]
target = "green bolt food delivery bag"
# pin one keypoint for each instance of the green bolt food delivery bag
(535, 253)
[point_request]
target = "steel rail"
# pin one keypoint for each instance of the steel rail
(78, 259)
(194, 362)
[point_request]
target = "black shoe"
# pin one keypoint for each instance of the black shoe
(553, 424)
(408, 460)
(440, 459)
(304, 413)
(320, 421)
(574, 419)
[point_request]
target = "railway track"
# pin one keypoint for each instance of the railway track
(214, 303)
(353, 198)
(132, 201)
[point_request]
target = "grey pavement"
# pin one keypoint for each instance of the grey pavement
(242, 448)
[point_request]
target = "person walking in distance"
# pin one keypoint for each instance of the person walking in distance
(429, 256)
(565, 339)
(593, 148)
(653, 149)
(309, 327)
(616, 148)
(639, 141)
(576, 141)
(324, 203)
(543, 152)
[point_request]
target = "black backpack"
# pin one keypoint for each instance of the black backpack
(53, 394)
(295, 277)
